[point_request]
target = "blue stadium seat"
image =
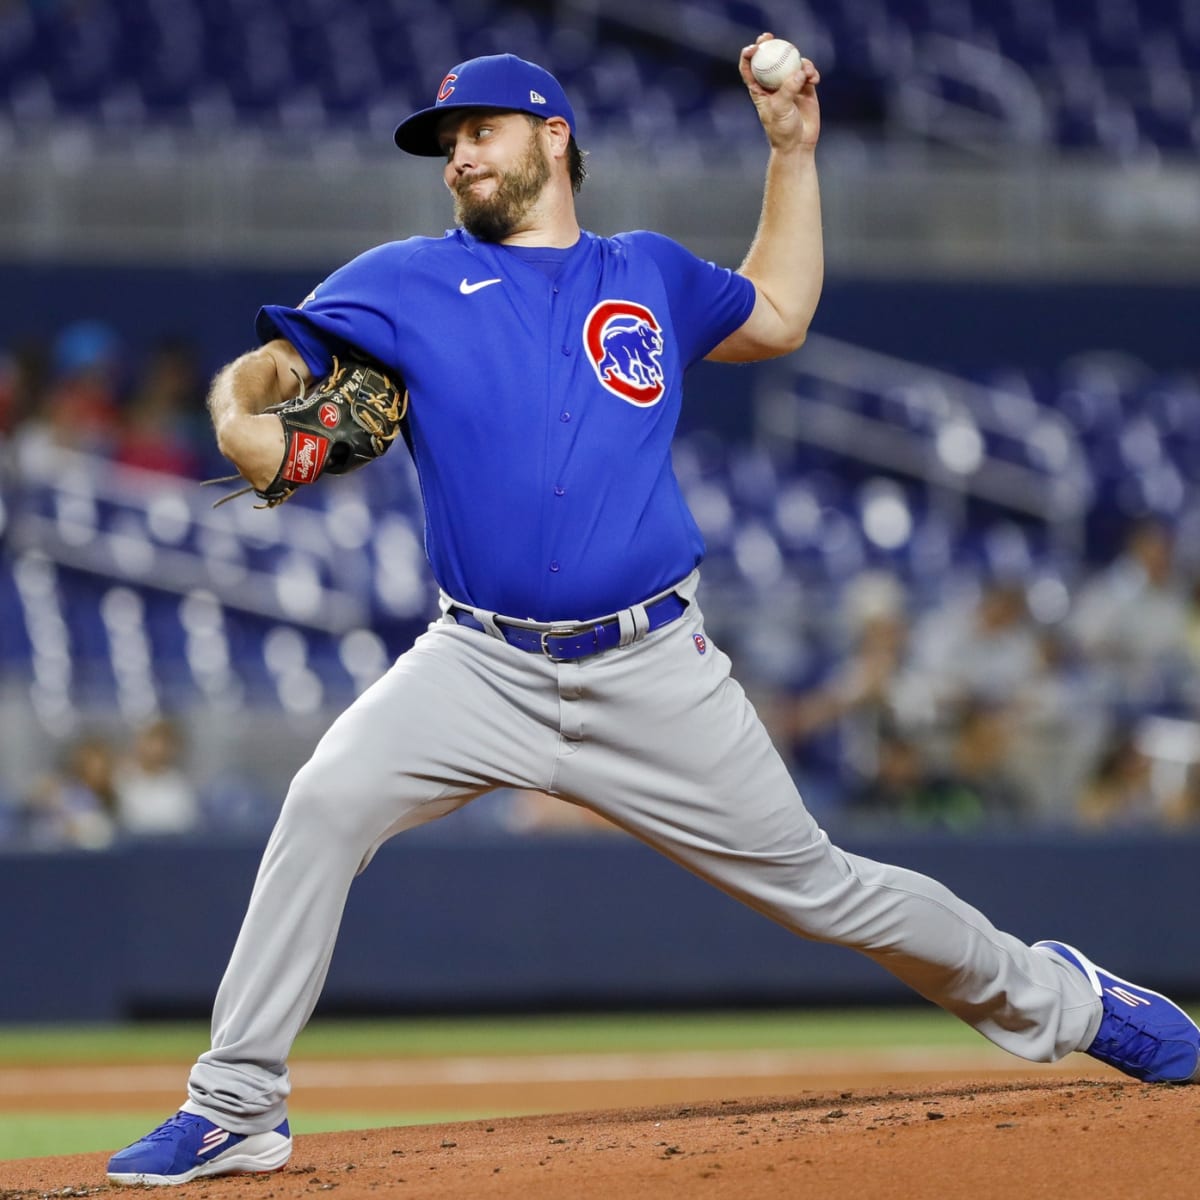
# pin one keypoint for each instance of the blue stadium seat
(314, 65)
(129, 595)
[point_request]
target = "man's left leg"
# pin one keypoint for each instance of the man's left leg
(670, 749)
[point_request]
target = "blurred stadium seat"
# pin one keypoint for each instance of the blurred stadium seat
(1114, 76)
(132, 587)
(125, 593)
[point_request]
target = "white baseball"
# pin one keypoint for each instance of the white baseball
(773, 62)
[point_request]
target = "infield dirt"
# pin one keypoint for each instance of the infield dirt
(904, 1138)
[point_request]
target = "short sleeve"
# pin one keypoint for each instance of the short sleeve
(707, 302)
(350, 309)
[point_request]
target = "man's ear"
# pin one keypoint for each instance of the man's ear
(559, 134)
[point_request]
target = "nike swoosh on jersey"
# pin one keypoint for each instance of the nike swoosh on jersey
(467, 288)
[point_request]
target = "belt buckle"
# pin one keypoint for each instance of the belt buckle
(561, 631)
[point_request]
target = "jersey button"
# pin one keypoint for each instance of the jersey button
(567, 349)
(560, 490)
(554, 565)
(566, 416)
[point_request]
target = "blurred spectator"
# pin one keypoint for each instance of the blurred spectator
(986, 692)
(1060, 723)
(24, 380)
(980, 647)
(159, 428)
(899, 791)
(1192, 639)
(1121, 791)
(841, 718)
(84, 399)
(862, 682)
(79, 409)
(1131, 620)
(75, 805)
(970, 791)
(154, 795)
(977, 773)
(954, 716)
(1183, 809)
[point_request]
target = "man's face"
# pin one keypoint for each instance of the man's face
(496, 167)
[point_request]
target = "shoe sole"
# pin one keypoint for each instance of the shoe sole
(1092, 974)
(264, 1163)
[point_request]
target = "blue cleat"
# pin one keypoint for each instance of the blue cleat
(188, 1146)
(1141, 1032)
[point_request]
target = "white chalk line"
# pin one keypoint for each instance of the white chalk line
(469, 1071)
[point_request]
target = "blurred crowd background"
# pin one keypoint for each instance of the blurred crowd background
(954, 542)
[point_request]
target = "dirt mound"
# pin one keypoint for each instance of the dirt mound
(1024, 1138)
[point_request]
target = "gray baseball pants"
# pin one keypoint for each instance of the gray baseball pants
(657, 737)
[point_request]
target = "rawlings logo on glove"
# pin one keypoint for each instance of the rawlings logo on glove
(304, 458)
(348, 419)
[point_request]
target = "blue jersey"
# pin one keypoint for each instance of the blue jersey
(541, 405)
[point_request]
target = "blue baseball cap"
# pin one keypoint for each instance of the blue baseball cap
(495, 81)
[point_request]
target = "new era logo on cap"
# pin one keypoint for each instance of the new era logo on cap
(500, 81)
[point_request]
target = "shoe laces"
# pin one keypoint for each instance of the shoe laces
(166, 1129)
(1127, 1041)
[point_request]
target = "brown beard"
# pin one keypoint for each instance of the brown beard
(495, 217)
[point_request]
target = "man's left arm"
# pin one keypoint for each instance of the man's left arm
(786, 261)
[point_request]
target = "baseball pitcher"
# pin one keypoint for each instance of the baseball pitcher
(536, 370)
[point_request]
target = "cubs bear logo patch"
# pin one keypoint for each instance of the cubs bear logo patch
(701, 644)
(624, 344)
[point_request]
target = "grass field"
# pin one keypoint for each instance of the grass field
(32, 1134)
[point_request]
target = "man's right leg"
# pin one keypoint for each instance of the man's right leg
(454, 717)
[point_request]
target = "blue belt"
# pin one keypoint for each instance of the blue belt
(571, 641)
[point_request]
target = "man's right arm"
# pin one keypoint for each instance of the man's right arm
(246, 435)
(786, 261)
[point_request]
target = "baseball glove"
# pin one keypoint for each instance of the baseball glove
(344, 422)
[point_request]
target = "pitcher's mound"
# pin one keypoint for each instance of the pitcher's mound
(1026, 1138)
